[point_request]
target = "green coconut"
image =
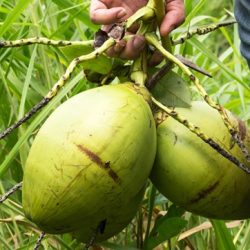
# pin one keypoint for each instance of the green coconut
(196, 177)
(92, 154)
(107, 225)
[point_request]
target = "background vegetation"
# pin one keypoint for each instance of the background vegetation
(27, 73)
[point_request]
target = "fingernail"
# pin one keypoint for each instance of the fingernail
(122, 13)
(138, 43)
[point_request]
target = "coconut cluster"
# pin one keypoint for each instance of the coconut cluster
(90, 161)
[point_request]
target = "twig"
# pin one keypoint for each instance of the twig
(234, 133)
(26, 117)
(43, 41)
(59, 84)
(10, 192)
(39, 241)
(196, 130)
(202, 31)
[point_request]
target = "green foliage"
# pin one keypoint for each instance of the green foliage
(166, 227)
(223, 238)
(172, 91)
(27, 73)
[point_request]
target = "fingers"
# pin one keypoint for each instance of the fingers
(175, 15)
(101, 14)
(116, 50)
(155, 59)
(129, 50)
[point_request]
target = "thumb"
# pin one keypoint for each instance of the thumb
(175, 15)
(100, 14)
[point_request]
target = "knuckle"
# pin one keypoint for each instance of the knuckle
(93, 17)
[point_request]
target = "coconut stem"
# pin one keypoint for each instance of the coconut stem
(10, 192)
(159, 7)
(196, 130)
(58, 85)
(44, 41)
(139, 68)
(145, 13)
(234, 133)
(202, 31)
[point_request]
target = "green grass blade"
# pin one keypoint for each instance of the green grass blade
(13, 15)
(27, 83)
(81, 15)
(224, 239)
(196, 43)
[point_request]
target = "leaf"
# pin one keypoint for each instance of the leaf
(102, 64)
(175, 211)
(172, 91)
(13, 15)
(166, 227)
(224, 68)
(82, 15)
(224, 239)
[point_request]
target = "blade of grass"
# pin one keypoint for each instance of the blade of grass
(83, 15)
(224, 239)
(196, 43)
(13, 15)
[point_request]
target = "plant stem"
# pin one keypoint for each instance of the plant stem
(145, 13)
(139, 69)
(44, 41)
(201, 31)
(10, 192)
(39, 241)
(159, 7)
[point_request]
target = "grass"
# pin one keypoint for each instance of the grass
(27, 73)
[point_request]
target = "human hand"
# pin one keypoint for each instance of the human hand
(108, 12)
